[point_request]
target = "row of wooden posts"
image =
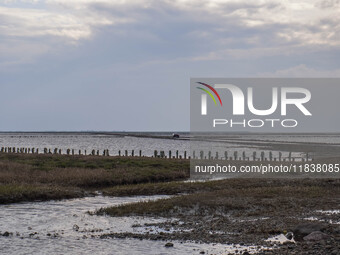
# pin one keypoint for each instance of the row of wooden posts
(162, 154)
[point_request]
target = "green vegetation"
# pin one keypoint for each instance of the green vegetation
(25, 176)
(232, 196)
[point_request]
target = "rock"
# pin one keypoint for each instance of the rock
(75, 227)
(316, 236)
(303, 230)
(6, 234)
(169, 245)
(202, 252)
(246, 253)
(289, 235)
(335, 252)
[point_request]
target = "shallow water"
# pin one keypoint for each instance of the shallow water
(148, 144)
(65, 227)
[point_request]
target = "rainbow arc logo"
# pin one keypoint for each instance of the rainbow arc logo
(209, 93)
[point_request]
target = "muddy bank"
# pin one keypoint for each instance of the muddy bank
(245, 212)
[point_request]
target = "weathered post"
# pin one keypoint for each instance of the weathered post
(37, 151)
(270, 156)
(169, 154)
(209, 155)
(235, 155)
(185, 154)
(72, 151)
(216, 156)
(194, 154)
(140, 153)
(79, 152)
(244, 155)
(290, 156)
(49, 151)
(97, 152)
(59, 151)
(133, 153)
(107, 152)
(155, 153)
(176, 153)
(119, 153)
(126, 153)
(225, 155)
(262, 155)
(280, 155)
(93, 152)
(45, 150)
(162, 154)
(254, 155)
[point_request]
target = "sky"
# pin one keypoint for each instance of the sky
(125, 65)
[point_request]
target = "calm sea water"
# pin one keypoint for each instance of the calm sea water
(148, 142)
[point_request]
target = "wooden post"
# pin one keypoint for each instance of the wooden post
(93, 152)
(225, 155)
(235, 155)
(254, 155)
(176, 153)
(270, 156)
(244, 155)
(140, 153)
(155, 153)
(59, 151)
(290, 156)
(185, 154)
(72, 151)
(209, 155)
(194, 154)
(280, 155)
(133, 153)
(216, 156)
(119, 153)
(126, 153)
(201, 154)
(79, 152)
(262, 155)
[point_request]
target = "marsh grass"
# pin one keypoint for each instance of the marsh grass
(235, 196)
(19, 193)
(35, 174)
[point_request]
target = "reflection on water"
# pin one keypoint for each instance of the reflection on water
(64, 227)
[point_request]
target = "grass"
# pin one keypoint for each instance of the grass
(20, 193)
(81, 172)
(253, 197)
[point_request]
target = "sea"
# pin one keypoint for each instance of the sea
(149, 142)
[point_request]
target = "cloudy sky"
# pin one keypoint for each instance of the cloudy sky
(126, 64)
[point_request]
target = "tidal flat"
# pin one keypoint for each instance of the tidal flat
(238, 215)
